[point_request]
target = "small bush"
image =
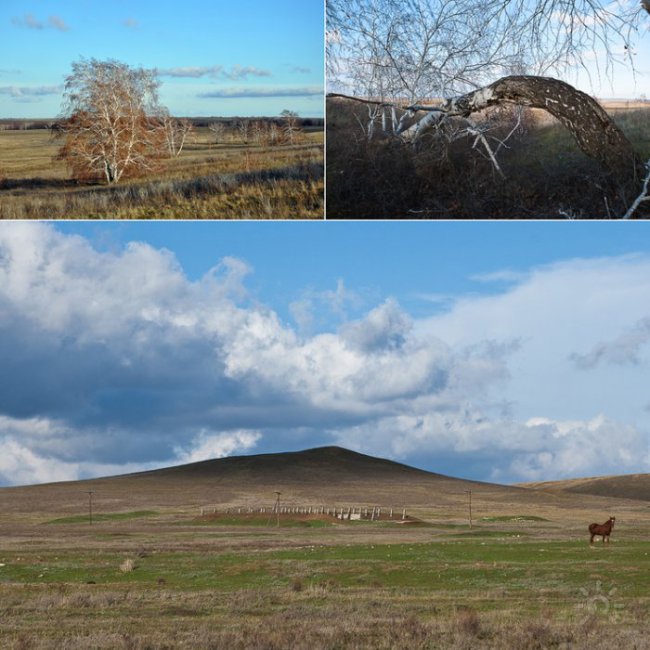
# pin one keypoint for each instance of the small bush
(468, 622)
(128, 565)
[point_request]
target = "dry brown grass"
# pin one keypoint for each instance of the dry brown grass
(546, 174)
(327, 476)
(283, 619)
(207, 180)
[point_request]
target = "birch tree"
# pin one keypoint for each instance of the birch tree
(420, 66)
(111, 127)
(218, 130)
(175, 131)
(290, 126)
(419, 49)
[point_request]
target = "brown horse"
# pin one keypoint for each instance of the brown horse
(603, 530)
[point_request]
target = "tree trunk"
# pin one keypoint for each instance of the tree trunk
(594, 130)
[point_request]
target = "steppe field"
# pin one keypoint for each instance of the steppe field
(212, 179)
(195, 557)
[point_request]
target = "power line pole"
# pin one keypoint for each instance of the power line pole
(469, 505)
(90, 505)
(277, 509)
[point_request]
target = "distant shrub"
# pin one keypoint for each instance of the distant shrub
(468, 622)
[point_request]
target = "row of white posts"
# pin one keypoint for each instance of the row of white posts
(351, 513)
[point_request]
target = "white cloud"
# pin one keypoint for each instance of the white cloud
(242, 72)
(28, 20)
(31, 22)
(235, 73)
(209, 445)
(57, 22)
(192, 72)
(263, 91)
(385, 327)
(538, 449)
(315, 307)
(568, 449)
(557, 311)
(130, 345)
(503, 275)
(117, 360)
(622, 350)
(19, 465)
(33, 92)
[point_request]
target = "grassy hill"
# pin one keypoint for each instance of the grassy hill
(630, 486)
(329, 476)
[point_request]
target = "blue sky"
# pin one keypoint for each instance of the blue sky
(495, 351)
(249, 57)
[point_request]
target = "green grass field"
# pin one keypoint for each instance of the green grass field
(193, 557)
(365, 587)
(208, 180)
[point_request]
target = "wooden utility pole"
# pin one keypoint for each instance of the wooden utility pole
(90, 505)
(469, 505)
(277, 509)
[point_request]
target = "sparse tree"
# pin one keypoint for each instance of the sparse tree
(218, 129)
(243, 127)
(111, 127)
(176, 131)
(291, 127)
(259, 132)
(274, 134)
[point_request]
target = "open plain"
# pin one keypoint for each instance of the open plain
(224, 179)
(198, 557)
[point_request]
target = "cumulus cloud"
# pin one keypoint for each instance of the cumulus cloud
(217, 445)
(314, 307)
(120, 359)
(19, 465)
(115, 361)
(385, 327)
(505, 449)
(262, 91)
(622, 350)
(29, 21)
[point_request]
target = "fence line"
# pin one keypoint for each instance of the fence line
(349, 513)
